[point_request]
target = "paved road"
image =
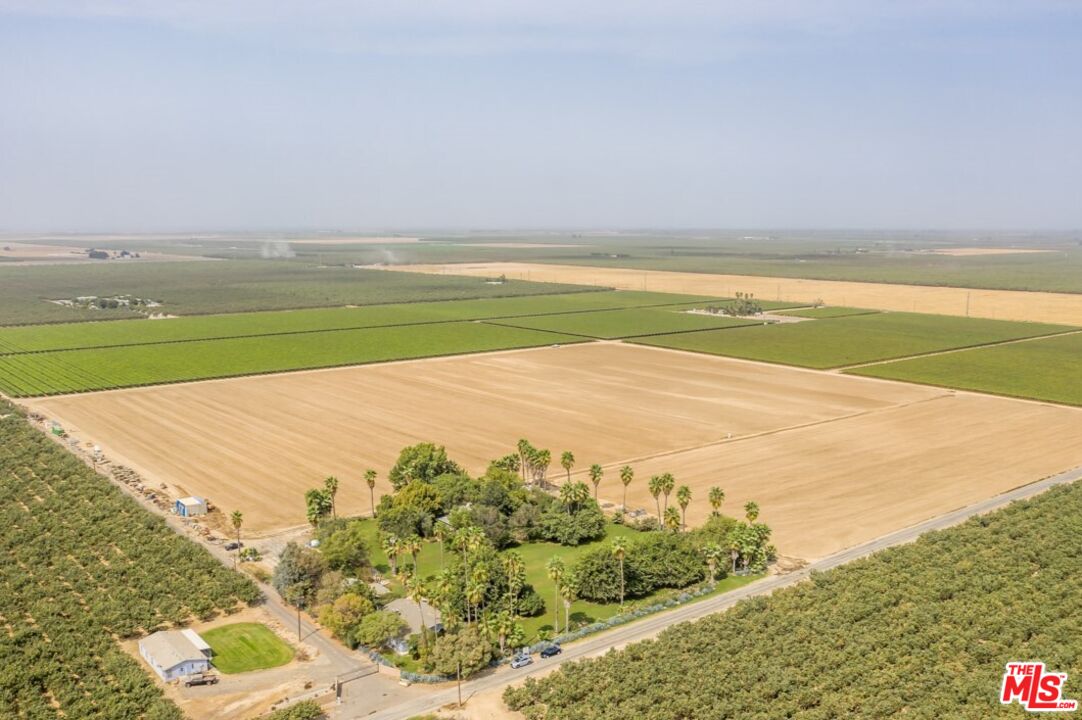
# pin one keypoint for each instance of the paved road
(649, 626)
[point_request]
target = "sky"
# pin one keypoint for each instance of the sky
(173, 115)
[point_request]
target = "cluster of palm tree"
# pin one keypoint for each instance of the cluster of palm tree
(533, 463)
(565, 588)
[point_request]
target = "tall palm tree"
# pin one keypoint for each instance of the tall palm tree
(668, 482)
(570, 592)
(619, 551)
(734, 550)
(515, 569)
(683, 498)
(416, 591)
(412, 546)
(556, 571)
(392, 546)
(475, 593)
(595, 477)
(542, 459)
(370, 478)
(505, 625)
(716, 497)
(655, 490)
(567, 461)
(330, 486)
(626, 476)
(442, 531)
(751, 511)
(712, 552)
(524, 451)
(237, 518)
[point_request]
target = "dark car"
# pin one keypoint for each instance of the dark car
(551, 651)
(234, 545)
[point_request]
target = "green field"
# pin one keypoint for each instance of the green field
(207, 287)
(69, 371)
(610, 324)
(1047, 369)
(241, 647)
(535, 555)
(66, 336)
(822, 313)
(843, 341)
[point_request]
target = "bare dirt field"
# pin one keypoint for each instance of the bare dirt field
(833, 460)
(35, 253)
(1048, 307)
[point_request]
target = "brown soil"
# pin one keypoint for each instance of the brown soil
(997, 304)
(832, 460)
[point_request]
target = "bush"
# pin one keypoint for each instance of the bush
(530, 603)
(667, 560)
(467, 649)
(304, 710)
(377, 628)
(585, 524)
(598, 575)
(424, 462)
(346, 550)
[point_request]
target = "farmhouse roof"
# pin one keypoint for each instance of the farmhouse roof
(408, 610)
(170, 648)
(193, 500)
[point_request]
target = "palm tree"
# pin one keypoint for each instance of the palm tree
(330, 486)
(237, 519)
(619, 551)
(655, 490)
(595, 477)
(626, 476)
(570, 592)
(416, 591)
(556, 572)
(542, 459)
(524, 452)
(567, 461)
(392, 546)
(475, 593)
(751, 511)
(683, 498)
(717, 497)
(668, 482)
(734, 550)
(712, 552)
(412, 546)
(442, 531)
(505, 625)
(672, 518)
(370, 478)
(515, 569)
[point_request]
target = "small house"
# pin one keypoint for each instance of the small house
(172, 654)
(425, 616)
(191, 506)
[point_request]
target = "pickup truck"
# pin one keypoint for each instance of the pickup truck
(200, 679)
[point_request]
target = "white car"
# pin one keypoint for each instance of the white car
(519, 661)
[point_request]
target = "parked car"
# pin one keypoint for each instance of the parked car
(551, 651)
(521, 661)
(234, 545)
(200, 679)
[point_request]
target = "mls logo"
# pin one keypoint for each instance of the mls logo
(1034, 689)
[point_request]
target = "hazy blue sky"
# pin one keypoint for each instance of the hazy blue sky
(219, 114)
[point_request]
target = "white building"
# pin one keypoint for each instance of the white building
(175, 653)
(191, 506)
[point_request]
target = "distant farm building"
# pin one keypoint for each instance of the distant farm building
(175, 653)
(191, 506)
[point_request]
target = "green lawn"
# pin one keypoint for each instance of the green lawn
(241, 647)
(535, 556)
(103, 368)
(1046, 369)
(611, 324)
(821, 313)
(842, 341)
